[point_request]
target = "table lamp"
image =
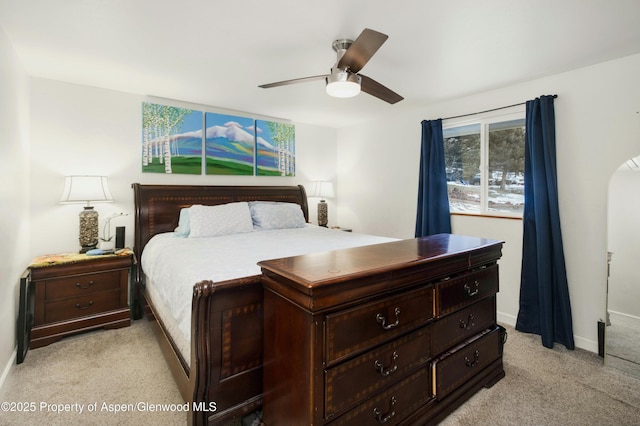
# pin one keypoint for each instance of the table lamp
(323, 189)
(87, 189)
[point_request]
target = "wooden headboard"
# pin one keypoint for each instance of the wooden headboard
(157, 207)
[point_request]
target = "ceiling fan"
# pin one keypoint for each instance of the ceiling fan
(344, 80)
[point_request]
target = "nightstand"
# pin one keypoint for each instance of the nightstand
(72, 293)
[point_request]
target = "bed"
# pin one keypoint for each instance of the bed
(218, 366)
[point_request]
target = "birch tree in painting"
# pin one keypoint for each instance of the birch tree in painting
(159, 124)
(283, 137)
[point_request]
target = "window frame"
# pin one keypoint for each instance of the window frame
(484, 120)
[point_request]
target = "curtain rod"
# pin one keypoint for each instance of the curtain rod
(488, 110)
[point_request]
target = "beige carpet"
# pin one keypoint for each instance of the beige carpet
(552, 387)
(542, 386)
(123, 366)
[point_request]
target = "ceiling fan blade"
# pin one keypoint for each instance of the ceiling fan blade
(372, 87)
(294, 81)
(359, 53)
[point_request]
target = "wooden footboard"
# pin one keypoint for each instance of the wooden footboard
(227, 331)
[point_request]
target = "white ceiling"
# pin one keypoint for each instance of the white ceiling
(217, 52)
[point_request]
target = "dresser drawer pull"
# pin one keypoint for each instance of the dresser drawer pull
(84, 287)
(383, 418)
(471, 364)
(472, 289)
(84, 307)
(385, 372)
(383, 321)
(468, 324)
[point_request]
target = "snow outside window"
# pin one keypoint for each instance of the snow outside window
(485, 166)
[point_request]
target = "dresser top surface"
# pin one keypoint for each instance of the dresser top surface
(324, 268)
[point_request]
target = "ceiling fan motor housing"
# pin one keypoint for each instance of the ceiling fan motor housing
(342, 83)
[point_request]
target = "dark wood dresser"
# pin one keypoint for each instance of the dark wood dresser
(395, 333)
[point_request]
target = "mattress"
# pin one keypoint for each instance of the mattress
(172, 264)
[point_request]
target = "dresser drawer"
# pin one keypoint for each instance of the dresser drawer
(393, 405)
(465, 361)
(463, 290)
(462, 325)
(76, 307)
(359, 329)
(358, 379)
(79, 285)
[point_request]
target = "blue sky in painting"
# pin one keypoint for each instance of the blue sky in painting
(263, 130)
(189, 135)
(192, 122)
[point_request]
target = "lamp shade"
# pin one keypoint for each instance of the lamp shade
(86, 189)
(322, 189)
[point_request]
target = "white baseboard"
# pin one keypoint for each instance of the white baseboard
(586, 344)
(7, 368)
(625, 320)
(580, 342)
(506, 319)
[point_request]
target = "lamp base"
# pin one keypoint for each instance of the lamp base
(88, 229)
(323, 213)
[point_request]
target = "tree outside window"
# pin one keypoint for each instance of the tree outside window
(485, 167)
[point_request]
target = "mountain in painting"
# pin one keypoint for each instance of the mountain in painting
(188, 143)
(230, 142)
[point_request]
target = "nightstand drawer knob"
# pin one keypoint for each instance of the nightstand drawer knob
(84, 287)
(84, 307)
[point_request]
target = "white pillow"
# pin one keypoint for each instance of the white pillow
(215, 221)
(272, 215)
(183, 228)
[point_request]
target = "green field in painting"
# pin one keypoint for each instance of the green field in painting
(267, 172)
(179, 165)
(221, 167)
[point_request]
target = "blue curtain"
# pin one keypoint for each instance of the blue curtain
(433, 201)
(545, 308)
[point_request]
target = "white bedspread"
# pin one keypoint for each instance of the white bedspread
(175, 264)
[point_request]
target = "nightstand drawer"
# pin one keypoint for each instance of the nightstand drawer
(80, 285)
(82, 306)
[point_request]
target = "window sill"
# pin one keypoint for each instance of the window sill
(492, 216)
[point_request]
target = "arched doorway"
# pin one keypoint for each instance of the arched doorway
(622, 342)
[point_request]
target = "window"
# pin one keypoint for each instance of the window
(485, 166)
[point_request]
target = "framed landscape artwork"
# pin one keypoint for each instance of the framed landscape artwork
(184, 141)
(229, 144)
(276, 149)
(171, 139)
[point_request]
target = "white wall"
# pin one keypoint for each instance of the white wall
(78, 129)
(82, 130)
(14, 193)
(624, 243)
(597, 128)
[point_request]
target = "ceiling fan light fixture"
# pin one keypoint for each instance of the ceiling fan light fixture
(343, 84)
